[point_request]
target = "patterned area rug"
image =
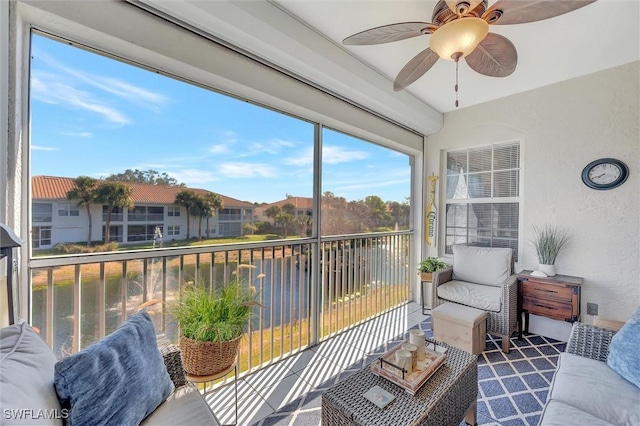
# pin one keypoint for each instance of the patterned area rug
(512, 387)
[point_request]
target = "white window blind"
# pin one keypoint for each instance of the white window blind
(483, 196)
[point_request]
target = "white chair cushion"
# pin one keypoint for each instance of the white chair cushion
(589, 385)
(482, 265)
(485, 297)
(557, 413)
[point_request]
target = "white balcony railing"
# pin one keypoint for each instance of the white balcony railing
(77, 299)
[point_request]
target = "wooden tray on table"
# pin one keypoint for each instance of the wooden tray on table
(385, 367)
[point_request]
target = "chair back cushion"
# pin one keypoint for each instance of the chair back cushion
(482, 265)
(27, 395)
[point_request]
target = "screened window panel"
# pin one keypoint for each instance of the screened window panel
(480, 185)
(480, 159)
(506, 156)
(457, 187)
(456, 161)
(506, 183)
(480, 207)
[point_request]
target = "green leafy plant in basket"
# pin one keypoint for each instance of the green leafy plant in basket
(212, 324)
(427, 267)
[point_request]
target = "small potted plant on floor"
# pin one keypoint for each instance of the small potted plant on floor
(212, 324)
(427, 267)
(548, 241)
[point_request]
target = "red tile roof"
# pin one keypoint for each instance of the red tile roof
(56, 188)
(299, 202)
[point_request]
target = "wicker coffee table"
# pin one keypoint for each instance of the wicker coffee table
(448, 397)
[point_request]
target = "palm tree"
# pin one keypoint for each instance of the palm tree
(187, 199)
(85, 191)
(113, 194)
(213, 202)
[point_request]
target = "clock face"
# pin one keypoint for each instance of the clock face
(606, 173)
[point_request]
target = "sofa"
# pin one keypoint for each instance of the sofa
(29, 396)
(483, 278)
(585, 389)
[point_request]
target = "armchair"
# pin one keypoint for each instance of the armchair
(483, 278)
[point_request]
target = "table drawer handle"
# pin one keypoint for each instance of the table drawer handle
(545, 307)
(544, 289)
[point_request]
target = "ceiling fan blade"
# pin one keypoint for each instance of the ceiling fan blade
(505, 12)
(389, 33)
(415, 68)
(495, 56)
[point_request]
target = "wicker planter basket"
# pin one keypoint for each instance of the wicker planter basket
(207, 358)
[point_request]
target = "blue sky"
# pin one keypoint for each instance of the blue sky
(92, 115)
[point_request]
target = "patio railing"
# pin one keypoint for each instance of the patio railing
(77, 299)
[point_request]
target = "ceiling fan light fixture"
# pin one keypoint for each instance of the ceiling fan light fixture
(457, 39)
(461, 7)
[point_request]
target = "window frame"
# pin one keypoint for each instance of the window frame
(468, 201)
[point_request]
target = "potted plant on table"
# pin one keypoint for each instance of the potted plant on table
(548, 241)
(212, 324)
(427, 267)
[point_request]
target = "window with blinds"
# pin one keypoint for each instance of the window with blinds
(483, 196)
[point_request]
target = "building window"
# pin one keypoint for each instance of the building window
(146, 213)
(143, 232)
(42, 212)
(117, 214)
(231, 229)
(230, 214)
(483, 197)
(115, 233)
(68, 210)
(173, 230)
(173, 211)
(41, 236)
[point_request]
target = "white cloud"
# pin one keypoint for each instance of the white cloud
(43, 148)
(132, 93)
(78, 134)
(273, 146)
(48, 88)
(247, 170)
(219, 149)
(331, 154)
(305, 158)
(337, 154)
(194, 177)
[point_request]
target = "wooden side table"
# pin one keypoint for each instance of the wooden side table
(556, 297)
(204, 379)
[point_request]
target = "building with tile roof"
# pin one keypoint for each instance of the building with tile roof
(154, 215)
(303, 205)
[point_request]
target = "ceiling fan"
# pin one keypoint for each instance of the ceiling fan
(460, 29)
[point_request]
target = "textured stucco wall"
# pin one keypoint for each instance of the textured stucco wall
(562, 128)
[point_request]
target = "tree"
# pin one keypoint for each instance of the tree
(285, 221)
(249, 228)
(113, 194)
(213, 202)
(272, 212)
(85, 191)
(149, 177)
(187, 199)
(377, 209)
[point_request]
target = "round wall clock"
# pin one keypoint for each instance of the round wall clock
(605, 173)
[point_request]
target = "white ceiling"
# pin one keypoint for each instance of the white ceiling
(304, 37)
(601, 35)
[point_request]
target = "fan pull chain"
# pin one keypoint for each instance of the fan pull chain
(456, 83)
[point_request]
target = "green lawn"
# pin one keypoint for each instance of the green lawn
(178, 243)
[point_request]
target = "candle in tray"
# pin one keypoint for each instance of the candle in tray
(413, 349)
(416, 337)
(403, 360)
